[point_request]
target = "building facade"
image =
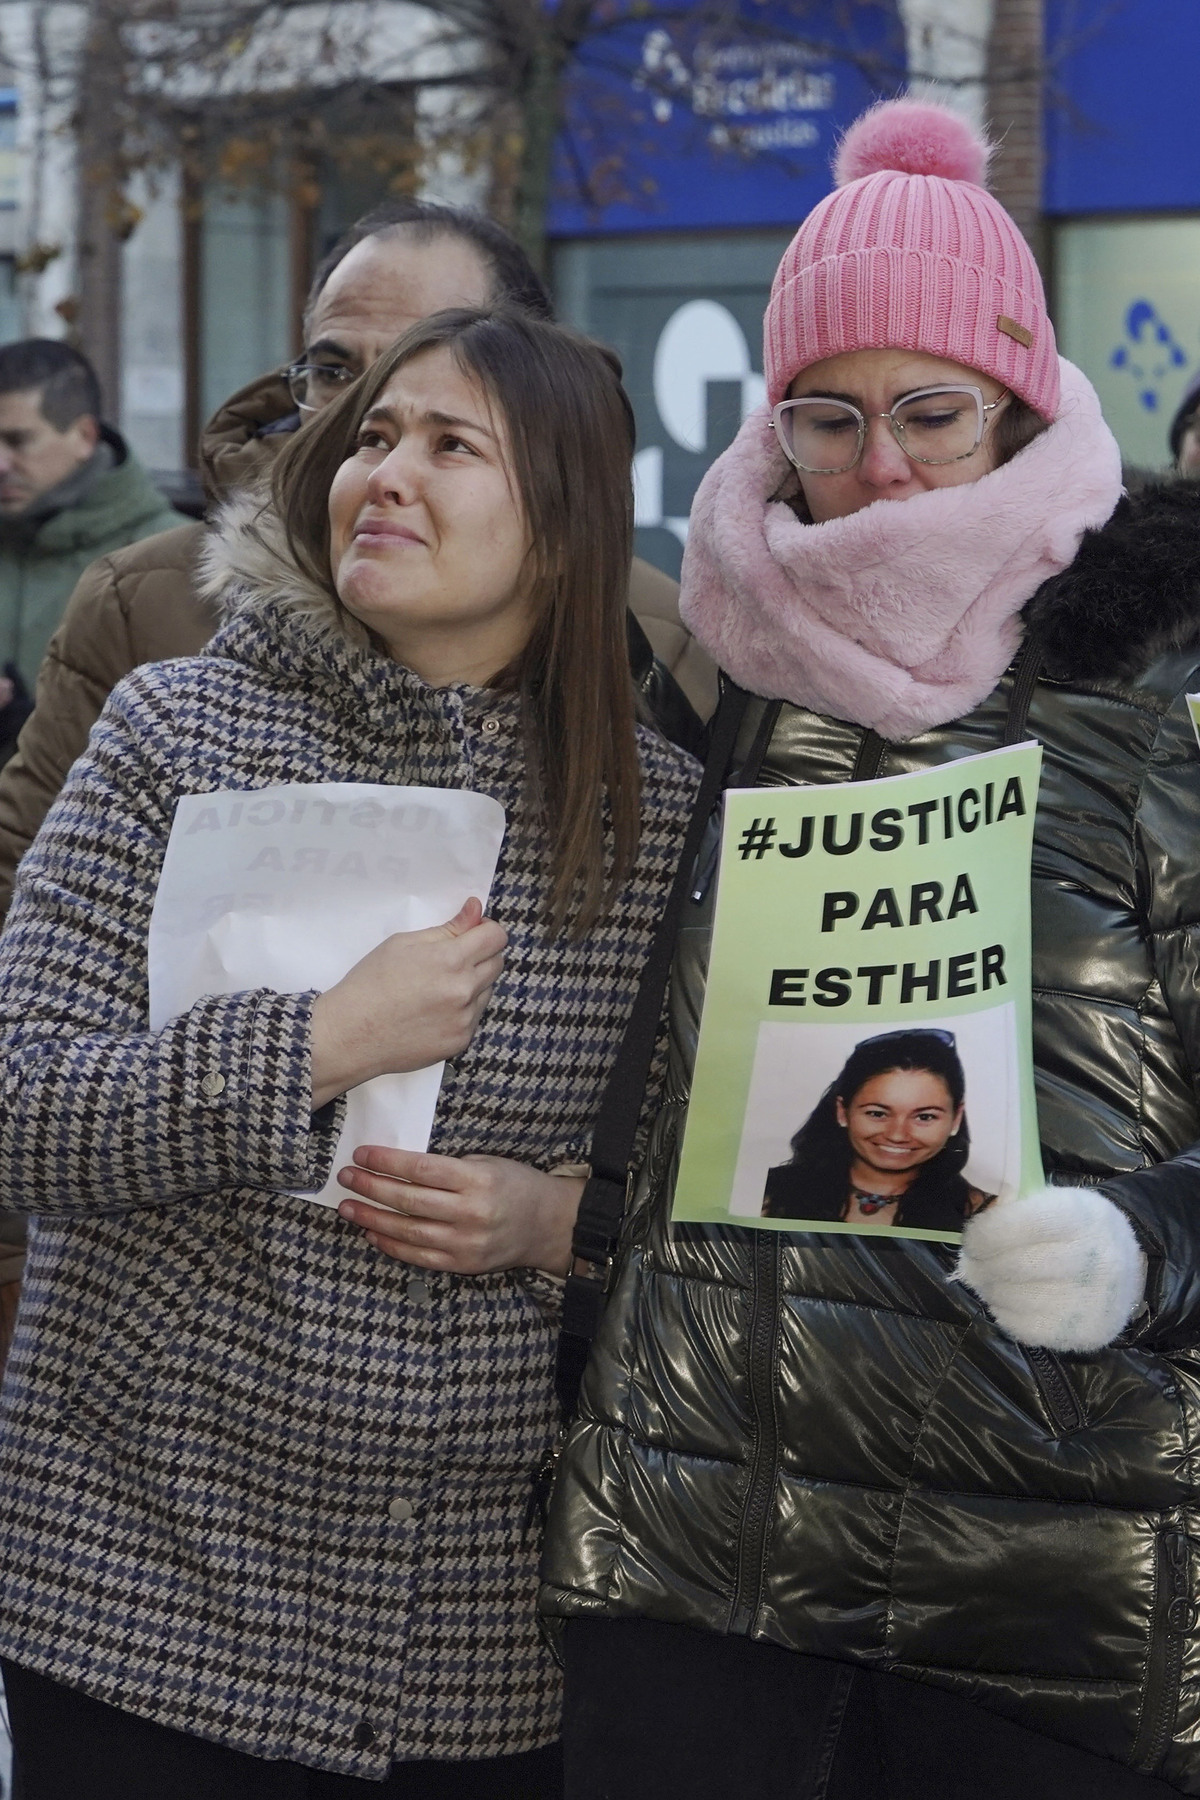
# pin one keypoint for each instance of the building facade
(268, 156)
(686, 161)
(1122, 198)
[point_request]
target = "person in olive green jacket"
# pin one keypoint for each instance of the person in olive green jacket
(70, 490)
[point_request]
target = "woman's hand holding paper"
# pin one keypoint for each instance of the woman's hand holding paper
(411, 1002)
(470, 1214)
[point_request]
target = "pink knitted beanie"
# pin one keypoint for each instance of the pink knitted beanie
(911, 252)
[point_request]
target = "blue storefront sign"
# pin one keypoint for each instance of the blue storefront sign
(1121, 95)
(685, 125)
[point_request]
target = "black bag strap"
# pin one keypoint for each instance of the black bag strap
(602, 1208)
(1027, 671)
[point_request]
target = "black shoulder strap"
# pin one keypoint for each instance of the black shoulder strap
(602, 1207)
(1027, 670)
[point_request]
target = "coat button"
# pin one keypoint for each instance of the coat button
(212, 1085)
(491, 725)
(364, 1735)
(418, 1293)
(401, 1510)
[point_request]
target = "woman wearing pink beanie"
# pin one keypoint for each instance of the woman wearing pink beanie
(838, 1515)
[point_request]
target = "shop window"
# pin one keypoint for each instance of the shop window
(1127, 310)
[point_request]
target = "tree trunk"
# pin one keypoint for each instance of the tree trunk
(540, 103)
(102, 223)
(1014, 108)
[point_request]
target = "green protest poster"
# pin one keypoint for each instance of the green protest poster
(1193, 706)
(864, 1061)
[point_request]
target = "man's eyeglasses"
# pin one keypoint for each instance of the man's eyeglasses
(314, 385)
(934, 425)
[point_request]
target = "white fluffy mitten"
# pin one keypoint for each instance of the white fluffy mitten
(1061, 1268)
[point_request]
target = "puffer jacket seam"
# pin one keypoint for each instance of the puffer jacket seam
(871, 1306)
(1153, 937)
(663, 1446)
(1143, 1055)
(1189, 1447)
(663, 1272)
(620, 1541)
(904, 1488)
(909, 1484)
(1064, 993)
(1116, 696)
(768, 1542)
(1152, 1624)
(127, 588)
(1003, 1494)
(54, 658)
(1000, 1495)
(1016, 1675)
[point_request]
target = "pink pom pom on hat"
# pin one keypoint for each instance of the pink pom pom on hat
(911, 252)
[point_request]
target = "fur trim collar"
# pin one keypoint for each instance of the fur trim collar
(1133, 592)
(903, 616)
(246, 566)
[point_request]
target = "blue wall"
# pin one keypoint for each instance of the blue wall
(1123, 105)
(668, 130)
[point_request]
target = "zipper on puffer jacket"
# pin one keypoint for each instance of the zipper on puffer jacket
(756, 1513)
(1174, 1620)
(1054, 1385)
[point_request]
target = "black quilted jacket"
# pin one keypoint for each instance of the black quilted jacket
(821, 1442)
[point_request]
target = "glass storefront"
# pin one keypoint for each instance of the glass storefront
(245, 291)
(684, 313)
(1127, 310)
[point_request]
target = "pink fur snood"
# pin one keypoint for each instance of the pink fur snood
(905, 615)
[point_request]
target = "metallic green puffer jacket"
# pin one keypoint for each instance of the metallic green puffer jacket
(823, 1442)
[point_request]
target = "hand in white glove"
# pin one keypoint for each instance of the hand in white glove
(1061, 1268)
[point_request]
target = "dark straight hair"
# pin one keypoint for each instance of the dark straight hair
(515, 281)
(822, 1146)
(571, 434)
(67, 380)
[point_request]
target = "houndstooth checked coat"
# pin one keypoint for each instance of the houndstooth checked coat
(260, 1483)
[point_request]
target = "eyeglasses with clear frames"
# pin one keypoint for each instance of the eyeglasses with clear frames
(314, 385)
(933, 425)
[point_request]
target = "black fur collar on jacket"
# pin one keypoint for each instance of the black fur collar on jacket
(1133, 592)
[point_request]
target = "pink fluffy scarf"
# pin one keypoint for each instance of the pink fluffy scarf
(905, 615)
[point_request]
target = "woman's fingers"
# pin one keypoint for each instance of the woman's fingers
(395, 1199)
(398, 1227)
(411, 1184)
(409, 1253)
(470, 1213)
(417, 1167)
(465, 919)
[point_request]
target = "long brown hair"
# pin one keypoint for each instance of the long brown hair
(571, 433)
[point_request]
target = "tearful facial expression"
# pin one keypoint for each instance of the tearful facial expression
(874, 380)
(899, 1120)
(429, 545)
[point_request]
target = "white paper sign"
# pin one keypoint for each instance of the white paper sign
(288, 887)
